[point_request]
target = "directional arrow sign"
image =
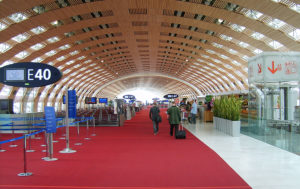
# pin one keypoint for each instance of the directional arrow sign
(272, 70)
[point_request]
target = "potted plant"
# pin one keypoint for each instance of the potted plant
(227, 115)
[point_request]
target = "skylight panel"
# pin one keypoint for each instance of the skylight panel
(38, 30)
(257, 51)
(230, 75)
(38, 59)
(87, 61)
(3, 26)
(236, 63)
(257, 35)
(61, 58)
(223, 56)
(4, 47)
(18, 17)
(217, 45)
(227, 66)
(296, 8)
(245, 57)
(37, 46)
(22, 54)
(295, 34)
(238, 28)
(80, 58)
(253, 14)
(275, 23)
(70, 62)
(225, 37)
(233, 51)
(53, 39)
(66, 71)
(210, 51)
(205, 56)
(20, 38)
(77, 66)
(50, 53)
(217, 61)
(7, 62)
(64, 47)
(74, 53)
(243, 44)
(275, 44)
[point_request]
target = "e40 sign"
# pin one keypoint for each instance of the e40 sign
(29, 74)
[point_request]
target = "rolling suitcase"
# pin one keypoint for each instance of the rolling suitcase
(180, 134)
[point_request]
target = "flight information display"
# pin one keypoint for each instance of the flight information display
(171, 96)
(14, 75)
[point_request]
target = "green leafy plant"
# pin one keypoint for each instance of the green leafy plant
(228, 108)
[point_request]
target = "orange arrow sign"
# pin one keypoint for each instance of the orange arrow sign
(272, 70)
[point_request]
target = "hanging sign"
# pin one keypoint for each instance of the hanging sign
(129, 97)
(274, 67)
(50, 119)
(171, 96)
(72, 103)
(29, 74)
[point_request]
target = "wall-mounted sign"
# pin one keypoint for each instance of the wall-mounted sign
(171, 96)
(29, 74)
(50, 119)
(129, 97)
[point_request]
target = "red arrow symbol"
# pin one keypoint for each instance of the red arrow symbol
(272, 70)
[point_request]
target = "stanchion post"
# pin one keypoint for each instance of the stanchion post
(87, 130)
(25, 173)
(94, 128)
(50, 149)
(29, 141)
(1, 150)
(13, 136)
(67, 149)
(78, 136)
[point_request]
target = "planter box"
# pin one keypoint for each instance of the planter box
(229, 127)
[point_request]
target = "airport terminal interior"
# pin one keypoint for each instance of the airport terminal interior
(79, 78)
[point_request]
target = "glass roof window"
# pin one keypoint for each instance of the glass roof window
(61, 58)
(3, 26)
(217, 45)
(22, 54)
(18, 17)
(224, 57)
(236, 63)
(4, 47)
(243, 44)
(20, 92)
(205, 56)
(275, 23)
(66, 71)
(245, 57)
(38, 30)
(7, 62)
(74, 53)
(296, 8)
(70, 62)
(38, 59)
(53, 39)
(295, 34)
(227, 66)
(80, 58)
(51, 53)
(232, 51)
(257, 51)
(21, 37)
(237, 28)
(6, 91)
(87, 61)
(225, 37)
(210, 51)
(275, 44)
(64, 47)
(257, 35)
(37, 46)
(217, 61)
(253, 14)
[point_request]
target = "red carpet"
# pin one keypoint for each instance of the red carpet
(122, 157)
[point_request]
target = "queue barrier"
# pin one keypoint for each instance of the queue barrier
(40, 130)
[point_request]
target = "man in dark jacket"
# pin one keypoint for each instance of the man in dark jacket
(154, 116)
(174, 118)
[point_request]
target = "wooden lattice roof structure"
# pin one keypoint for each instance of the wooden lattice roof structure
(103, 47)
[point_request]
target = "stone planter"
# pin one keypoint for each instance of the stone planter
(229, 127)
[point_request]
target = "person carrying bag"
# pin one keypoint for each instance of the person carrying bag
(155, 117)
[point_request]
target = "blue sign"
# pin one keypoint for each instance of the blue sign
(129, 97)
(50, 119)
(29, 74)
(72, 103)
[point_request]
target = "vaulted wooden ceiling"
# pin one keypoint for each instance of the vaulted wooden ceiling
(197, 46)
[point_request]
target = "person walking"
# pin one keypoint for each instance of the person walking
(174, 118)
(155, 117)
(194, 112)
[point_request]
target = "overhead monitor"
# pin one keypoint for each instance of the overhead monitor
(103, 100)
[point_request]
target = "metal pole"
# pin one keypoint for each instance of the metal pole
(78, 137)
(67, 149)
(87, 130)
(94, 131)
(13, 135)
(25, 161)
(46, 144)
(29, 141)
(1, 150)
(50, 148)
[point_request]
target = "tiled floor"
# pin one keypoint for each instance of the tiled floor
(261, 165)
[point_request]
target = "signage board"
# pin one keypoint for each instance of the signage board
(72, 103)
(129, 97)
(29, 74)
(171, 96)
(103, 100)
(50, 119)
(274, 67)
